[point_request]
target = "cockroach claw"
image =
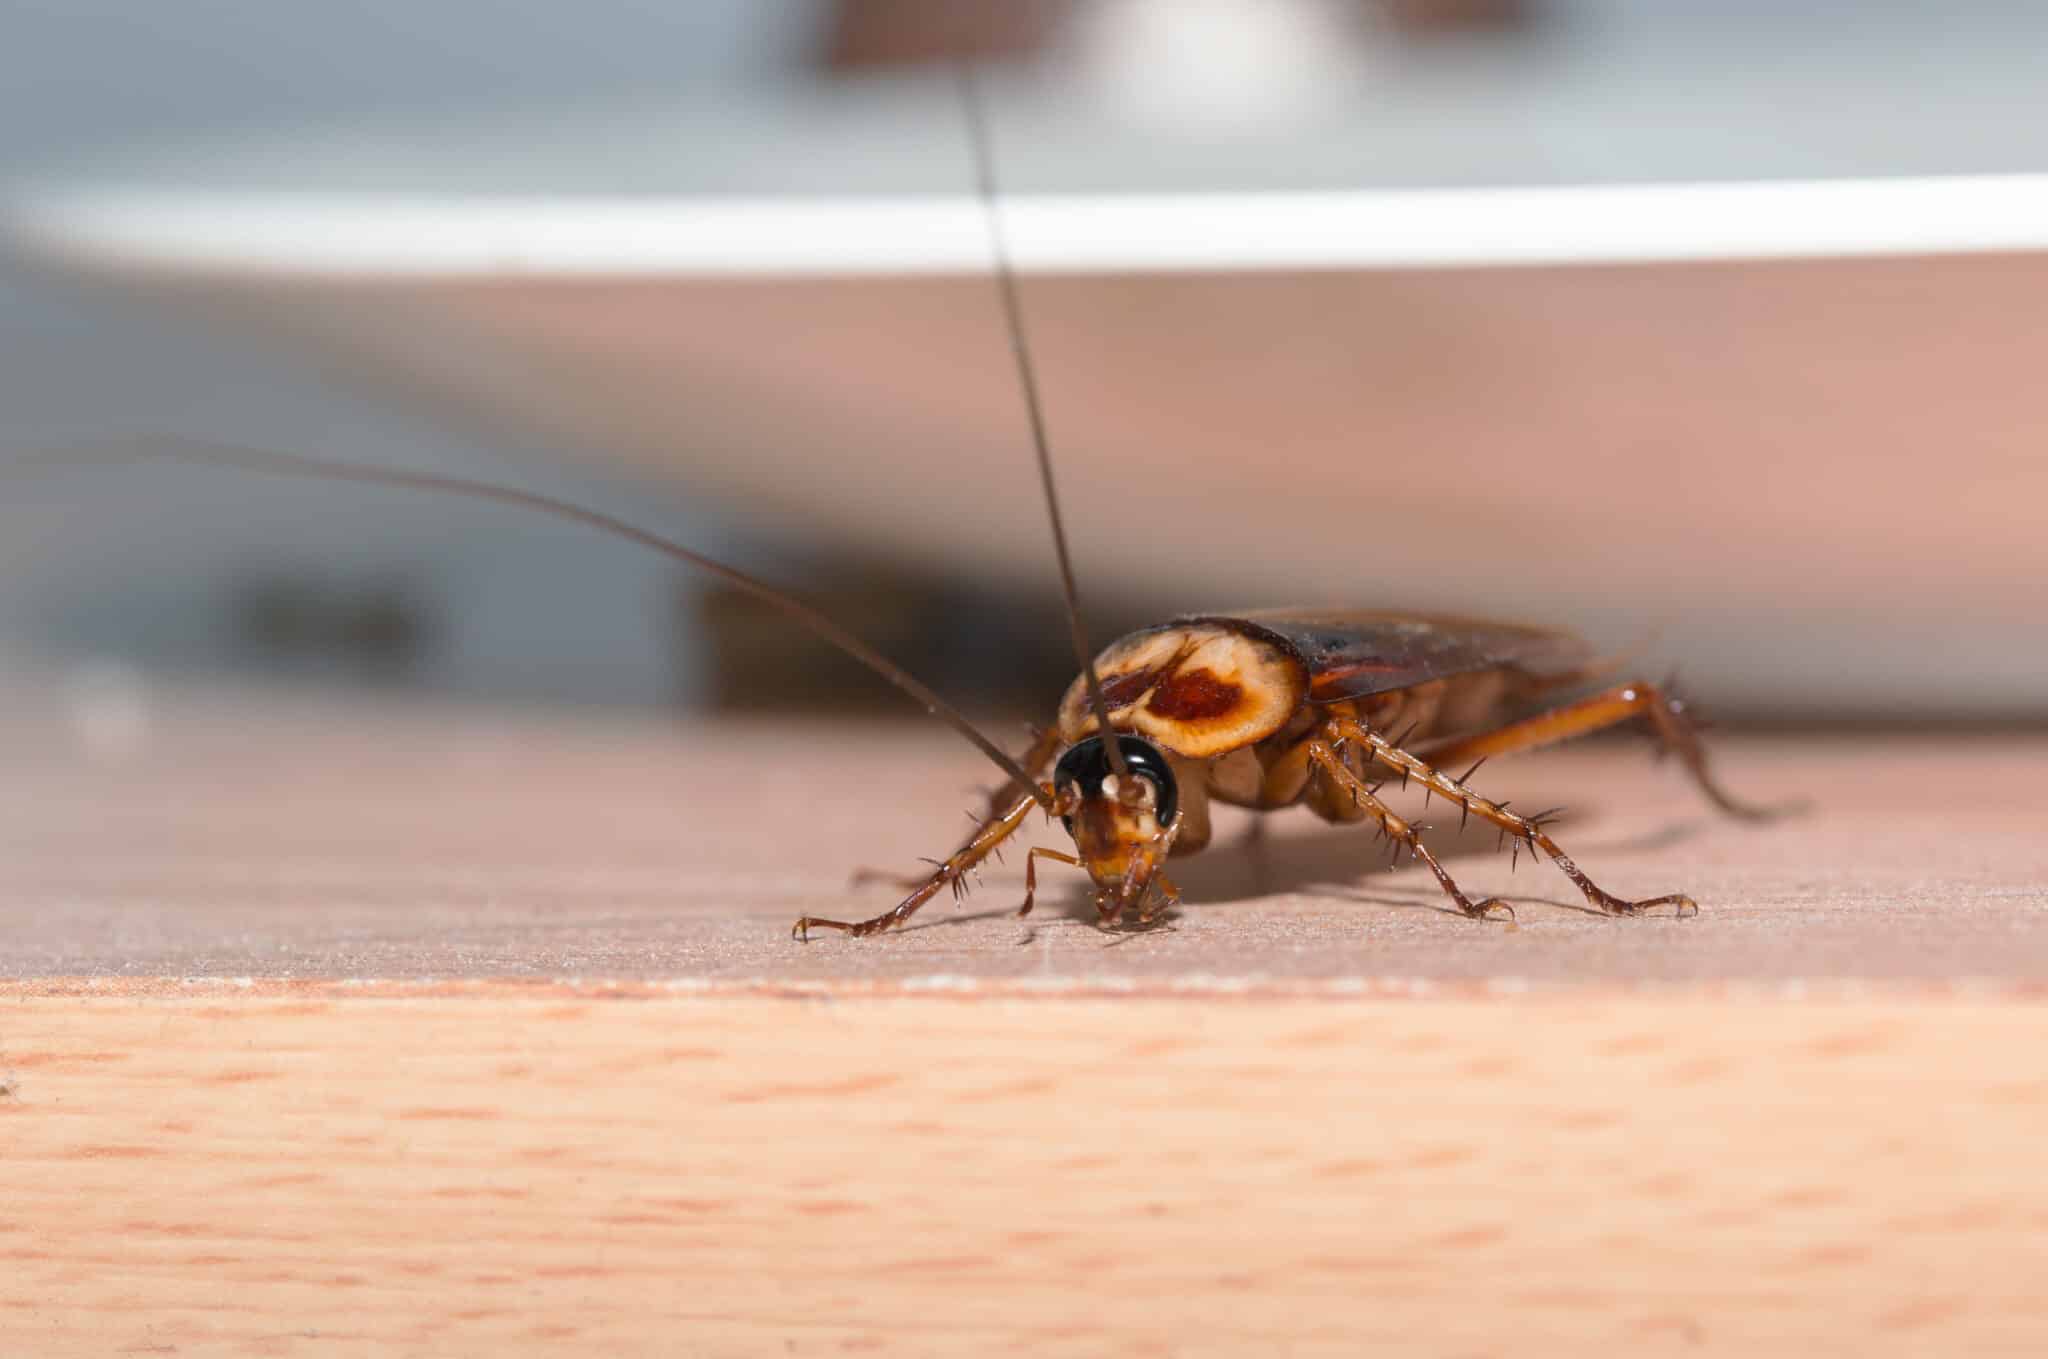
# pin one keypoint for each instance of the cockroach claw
(1684, 907)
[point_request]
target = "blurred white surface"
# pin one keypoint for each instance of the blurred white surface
(302, 235)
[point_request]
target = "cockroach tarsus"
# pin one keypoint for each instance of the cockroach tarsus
(1261, 709)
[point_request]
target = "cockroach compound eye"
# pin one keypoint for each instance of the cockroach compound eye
(1085, 768)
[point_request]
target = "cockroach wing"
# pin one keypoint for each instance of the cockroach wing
(1354, 654)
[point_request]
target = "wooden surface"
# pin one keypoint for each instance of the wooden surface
(246, 835)
(533, 1171)
(339, 1029)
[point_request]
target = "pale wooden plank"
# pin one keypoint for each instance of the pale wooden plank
(425, 1030)
(522, 1172)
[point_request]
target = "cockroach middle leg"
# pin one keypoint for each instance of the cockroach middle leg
(1529, 830)
(952, 873)
(1031, 874)
(1667, 716)
(1323, 754)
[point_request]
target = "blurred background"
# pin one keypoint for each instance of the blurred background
(714, 267)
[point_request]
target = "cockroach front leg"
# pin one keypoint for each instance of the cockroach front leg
(951, 873)
(1045, 743)
(1529, 830)
(1323, 754)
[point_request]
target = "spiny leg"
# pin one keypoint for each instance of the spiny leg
(1322, 753)
(1665, 711)
(1526, 829)
(950, 873)
(1045, 743)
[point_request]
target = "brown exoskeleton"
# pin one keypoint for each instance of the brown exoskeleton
(1278, 708)
(1262, 709)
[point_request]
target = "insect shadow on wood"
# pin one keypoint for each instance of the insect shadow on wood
(1327, 709)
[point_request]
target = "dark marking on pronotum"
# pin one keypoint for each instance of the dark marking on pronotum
(1192, 695)
(1121, 691)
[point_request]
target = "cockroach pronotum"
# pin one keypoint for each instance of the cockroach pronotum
(1264, 709)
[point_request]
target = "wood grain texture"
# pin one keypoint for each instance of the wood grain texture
(266, 835)
(537, 1172)
(339, 1029)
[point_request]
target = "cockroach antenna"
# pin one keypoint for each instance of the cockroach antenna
(321, 469)
(1013, 318)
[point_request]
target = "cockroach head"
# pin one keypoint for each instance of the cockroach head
(1115, 819)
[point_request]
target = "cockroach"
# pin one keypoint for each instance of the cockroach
(1263, 709)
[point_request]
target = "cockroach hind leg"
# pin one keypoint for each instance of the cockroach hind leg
(1401, 833)
(1522, 830)
(1684, 907)
(801, 931)
(1672, 722)
(1493, 908)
